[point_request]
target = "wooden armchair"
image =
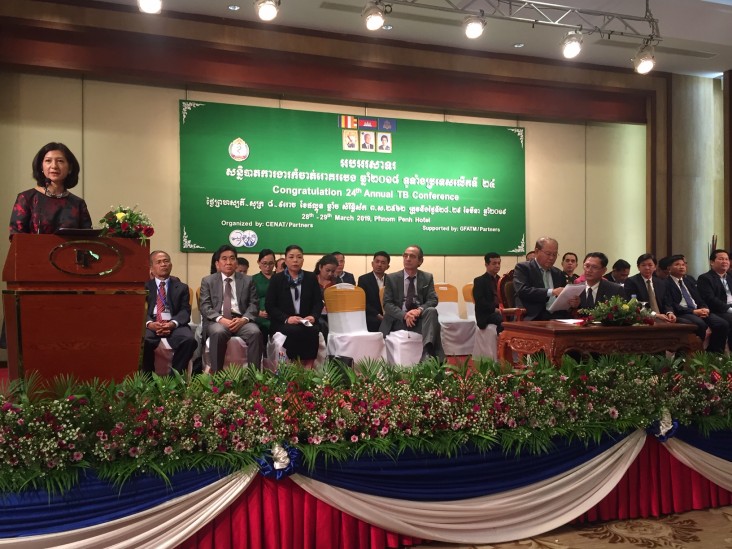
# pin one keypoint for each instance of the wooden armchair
(507, 298)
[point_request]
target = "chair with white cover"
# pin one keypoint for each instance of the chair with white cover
(276, 352)
(404, 347)
(458, 334)
(236, 353)
(347, 331)
(486, 341)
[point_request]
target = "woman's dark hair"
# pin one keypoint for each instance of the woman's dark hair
(328, 259)
(264, 253)
(71, 180)
(294, 247)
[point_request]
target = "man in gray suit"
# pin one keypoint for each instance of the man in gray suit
(410, 303)
(229, 306)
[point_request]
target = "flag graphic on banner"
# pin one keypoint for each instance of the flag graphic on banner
(348, 122)
(368, 123)
(387, 124)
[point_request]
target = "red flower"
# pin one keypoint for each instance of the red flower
(124, 226)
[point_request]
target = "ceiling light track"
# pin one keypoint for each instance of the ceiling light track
(577, 21)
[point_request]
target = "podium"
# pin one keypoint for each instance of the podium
(75, 305)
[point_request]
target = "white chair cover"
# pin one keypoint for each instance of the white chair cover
(276, 352)
(486, 343)
(347, 331)
(403, 347)
(458, 334)
(236, 353)
(470, 310)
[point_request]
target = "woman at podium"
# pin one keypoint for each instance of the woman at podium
(49, 205)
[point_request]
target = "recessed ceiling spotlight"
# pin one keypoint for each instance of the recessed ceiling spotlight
(519, 45)
(387, 27)
(234, 7)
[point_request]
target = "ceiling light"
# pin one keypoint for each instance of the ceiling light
(644, 60)
(150, 6)
(234, 7)
(572, 44)
(373, 15)
(473, 26)
(267, 9)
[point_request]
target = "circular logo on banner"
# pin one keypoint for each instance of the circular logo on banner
(248, 239)
(239, 150)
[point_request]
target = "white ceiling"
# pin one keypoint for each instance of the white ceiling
(696, 34)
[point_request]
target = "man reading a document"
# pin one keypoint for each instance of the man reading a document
(538, 283)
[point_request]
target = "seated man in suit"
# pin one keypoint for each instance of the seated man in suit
(485, 294)
(597, 288)
(714, 287)
(341, 276)
(168, 315)
(410, 303)
(620, 272)
(690, 308)
(538, 282)
(371, 283)
(648, 288)
(229, 307)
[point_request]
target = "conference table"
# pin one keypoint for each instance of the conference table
(555, 338)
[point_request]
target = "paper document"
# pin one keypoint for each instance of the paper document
(569, 291)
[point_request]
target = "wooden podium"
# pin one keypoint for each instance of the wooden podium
(75, 305)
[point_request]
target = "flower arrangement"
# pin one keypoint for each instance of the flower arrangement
(617, 311)
(127, 222)
(240, 416)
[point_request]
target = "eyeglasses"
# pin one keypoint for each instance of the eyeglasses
(267, 263)
(590, 267)
(549, 254)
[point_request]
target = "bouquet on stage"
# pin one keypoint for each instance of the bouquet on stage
(126, 222)
(617, 311)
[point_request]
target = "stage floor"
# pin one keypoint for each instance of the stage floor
(692, 530)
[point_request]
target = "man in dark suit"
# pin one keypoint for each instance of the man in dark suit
(168, 315)
(715, 288)
(620, 272)
(538, 282)
(690, 307)
(410, 303)
(485, 294)
(597, 288)
(341, 276)
(226, 313)
(648, 288)
(371, 283)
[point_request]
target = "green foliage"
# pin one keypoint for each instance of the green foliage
(50, 433)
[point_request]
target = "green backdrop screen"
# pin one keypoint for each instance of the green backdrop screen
(265, 178)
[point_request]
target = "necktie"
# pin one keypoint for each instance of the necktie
(411, 293)
(549, 284)
(590, 299)
(160, 302)
(652, 297)
(227, 299)
(686, 295)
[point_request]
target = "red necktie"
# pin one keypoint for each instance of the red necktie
(160, 303)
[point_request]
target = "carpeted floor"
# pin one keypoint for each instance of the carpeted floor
(711, 529)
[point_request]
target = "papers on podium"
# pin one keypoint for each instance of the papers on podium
(568, 292)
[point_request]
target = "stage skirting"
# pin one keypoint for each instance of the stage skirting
(375, 503)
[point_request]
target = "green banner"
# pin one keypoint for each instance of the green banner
(265, 178)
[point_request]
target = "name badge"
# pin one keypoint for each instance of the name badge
(165, 315)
